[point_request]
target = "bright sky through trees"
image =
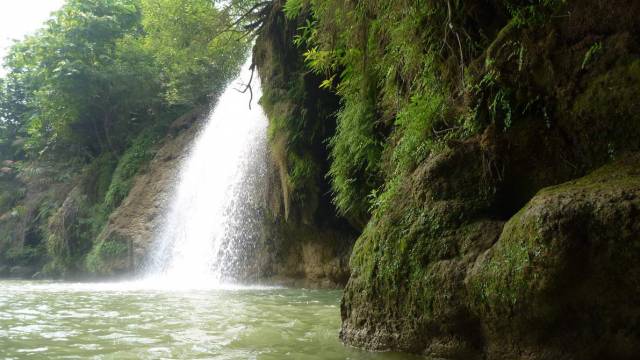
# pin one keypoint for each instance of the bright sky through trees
(21, 17)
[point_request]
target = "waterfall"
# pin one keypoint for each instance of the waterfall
(210, 212)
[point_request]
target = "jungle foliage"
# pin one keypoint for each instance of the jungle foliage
(402, 72)
(86, 99)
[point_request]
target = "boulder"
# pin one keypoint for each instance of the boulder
(562, 282)
(21, 272)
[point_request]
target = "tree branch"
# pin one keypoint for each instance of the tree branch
(261, 5)
(247, 86)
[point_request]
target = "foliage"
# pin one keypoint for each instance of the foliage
(101, 69)
(196, 56)
(532, 12)
(137, 155)
(293, 8)
(104, 251)
(400, 69)
(389, 82)
(87, 98)
(73, 78)
(26, 255)
(593, 52)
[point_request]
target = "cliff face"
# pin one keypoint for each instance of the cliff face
(559, 280)
(124, 244)
(304, 241)
(96, 219)
(487, 151)
(299, 240)
(497, 245)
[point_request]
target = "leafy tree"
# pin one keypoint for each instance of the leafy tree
(89, 96)
(72, 76)
(198, 50)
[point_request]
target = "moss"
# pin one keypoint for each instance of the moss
(98, 177)
(406, 267)
(133, 160)
(453, 115)
(507, 279)
(611, 95)
(568, 244)
(300, 116)
(65, 233)
(103, 255)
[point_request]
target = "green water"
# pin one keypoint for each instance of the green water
(40, 320)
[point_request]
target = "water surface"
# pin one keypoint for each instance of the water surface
(127, 321)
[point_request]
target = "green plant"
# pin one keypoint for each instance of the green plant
(533, 12)
(26, 255)
(594, 51)
(98, 260)
(137, 155)
(501, 107)
(292, 8)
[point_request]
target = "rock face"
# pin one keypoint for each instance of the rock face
(301, 255)
(22, 272)
(304, 242)
(298, 246)
(132, 225)
(519, 242)
(557, 281)
(563, 277)
(406, 289)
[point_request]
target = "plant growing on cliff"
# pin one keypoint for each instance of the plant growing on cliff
(86, 88)
(138, 154)
(593, 52)
(385, 60)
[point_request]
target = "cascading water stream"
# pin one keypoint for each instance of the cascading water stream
(210, 211)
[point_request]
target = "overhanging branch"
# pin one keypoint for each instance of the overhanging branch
(247, 86)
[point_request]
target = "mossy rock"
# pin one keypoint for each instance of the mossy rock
(562, 281)
(406, 289)
(110, 256)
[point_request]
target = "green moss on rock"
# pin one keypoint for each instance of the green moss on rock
(109, 257)
(562, 277)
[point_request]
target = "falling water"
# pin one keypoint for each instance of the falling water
(210, 212)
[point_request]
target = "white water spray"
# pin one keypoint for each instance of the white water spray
(217, 181)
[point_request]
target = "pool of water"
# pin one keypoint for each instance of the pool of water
(130, 321)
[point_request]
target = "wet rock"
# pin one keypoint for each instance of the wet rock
(131, 226)
(21, 272)
(4, 270)
(439, 273)
(406, 290)
(557, 281)
(562, 280)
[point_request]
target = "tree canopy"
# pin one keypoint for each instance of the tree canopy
(101, 70)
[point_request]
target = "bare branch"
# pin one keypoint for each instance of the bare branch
(247, 86)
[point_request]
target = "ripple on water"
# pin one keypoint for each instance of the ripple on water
(58, 335)
(32, 351)
(108, 321)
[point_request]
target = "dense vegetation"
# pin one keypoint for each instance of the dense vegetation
(454, 117)
(401, 71)
(86, 99)
(461, 140)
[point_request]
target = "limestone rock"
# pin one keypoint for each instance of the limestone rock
(134, 222)
(562, 280)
